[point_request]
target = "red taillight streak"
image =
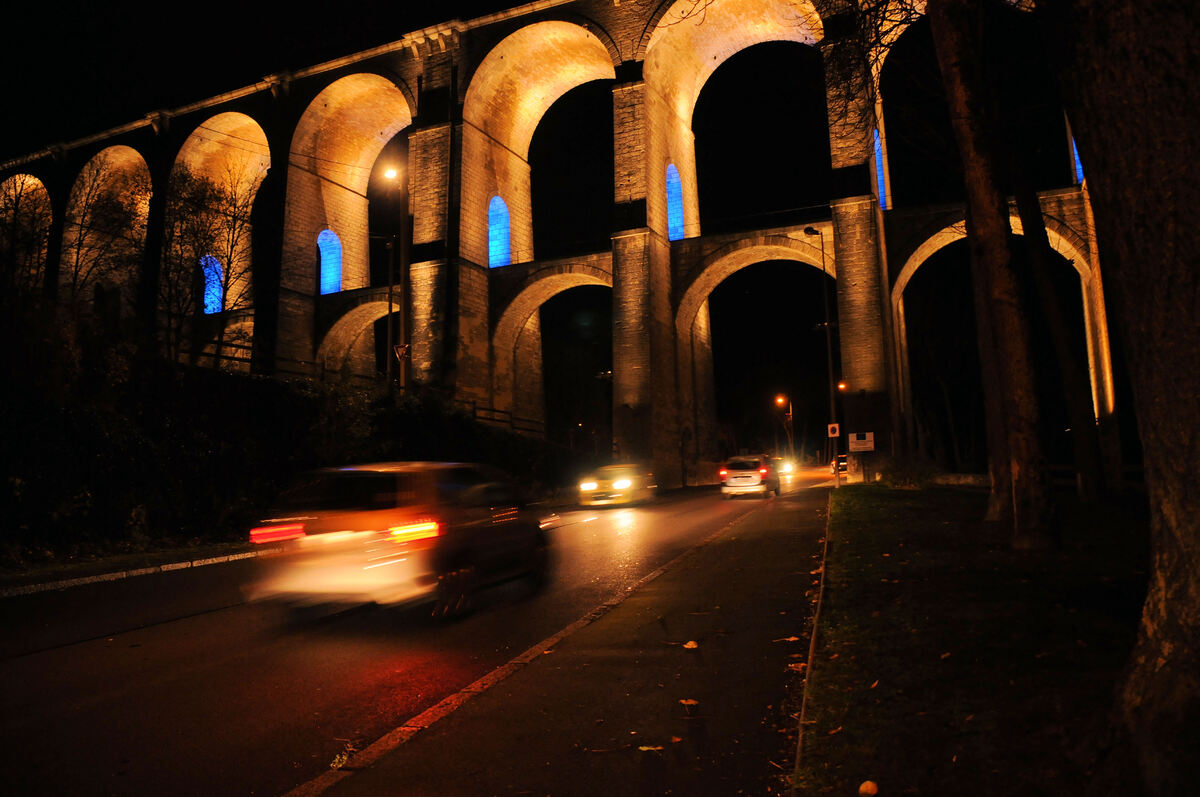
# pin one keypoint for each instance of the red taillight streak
(415, 531)
(263, 534)
(722, 473)
(762, 471)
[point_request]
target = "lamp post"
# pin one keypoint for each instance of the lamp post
(780, 400)
(399, 353)
(813, 231)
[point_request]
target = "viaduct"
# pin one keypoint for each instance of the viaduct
(467, 97)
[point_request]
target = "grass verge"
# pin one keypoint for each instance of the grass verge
(947, 663)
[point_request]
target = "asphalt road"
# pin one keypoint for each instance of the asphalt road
(173, 684)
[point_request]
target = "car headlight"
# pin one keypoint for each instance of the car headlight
(587, 485)
(621, 484)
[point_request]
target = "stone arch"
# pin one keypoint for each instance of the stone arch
(105, 227)
(509, 93)
(231, 152)
(25, 218)
(333, 151)
(516, 339)
(680, 53)
(693, 336)
(348, 348)
(713, 270)
(1076, 251)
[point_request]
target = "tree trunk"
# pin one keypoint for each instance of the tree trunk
(955, 27)
(1129, 76)
(1085, 438)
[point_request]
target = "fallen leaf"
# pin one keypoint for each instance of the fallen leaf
(787, 639)
(838, 729)
(872, 686)
(945, 655)
(687, 701)
(676, 740)
(646, 748)
(691, 644)
(797, 666)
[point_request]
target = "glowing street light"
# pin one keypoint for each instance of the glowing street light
(394, 352)
(781, 400)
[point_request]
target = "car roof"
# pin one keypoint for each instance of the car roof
(396, 467)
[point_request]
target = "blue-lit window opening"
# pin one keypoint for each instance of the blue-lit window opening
(499, 245)
(330, 247)
(210, 267)
(880, 182)
(1078, 163)
(674, 204)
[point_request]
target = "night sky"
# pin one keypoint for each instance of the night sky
(79, 68)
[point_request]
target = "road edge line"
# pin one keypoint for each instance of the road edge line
(120, 575)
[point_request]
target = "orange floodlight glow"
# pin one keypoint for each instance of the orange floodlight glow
(415, 531)
(290, 531)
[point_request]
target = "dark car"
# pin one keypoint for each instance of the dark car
(749, 475)
(396, 532)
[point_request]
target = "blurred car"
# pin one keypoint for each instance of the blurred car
(397, 532)
(750, 475)
(611, 485)
(839, 464)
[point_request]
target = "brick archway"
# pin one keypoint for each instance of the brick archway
(510, 92)
(1076, 251)
(517, 384)
(348, 348)
(693, 333)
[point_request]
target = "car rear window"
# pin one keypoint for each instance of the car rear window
(743, 464)
(345, 490)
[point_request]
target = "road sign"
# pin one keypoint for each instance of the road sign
(833, 430)
(862, 441)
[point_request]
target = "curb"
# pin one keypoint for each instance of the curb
(30, 589)
(812, 648)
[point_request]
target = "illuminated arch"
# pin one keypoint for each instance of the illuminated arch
(330, 248)
(25, 218)
(520, 317)
(715, 268)
(113, 188)
(1076, 251)
(333, 150)
(348, 348)
(681, 48)
(509, 93)
(230, 150)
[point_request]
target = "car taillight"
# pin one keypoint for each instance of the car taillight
(289, 531)
(426, 529)
(722, 473)
(762, 471)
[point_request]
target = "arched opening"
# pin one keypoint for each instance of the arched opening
(576, 328)
(768, 339)
(329, 248)
(682, 50)
(762, 139)
(104, 232)
(1030, 132)
(25, 216)
(210, 198)
(941, 359)
(509, 93)
(571, 168)
(674, 204)
(499, 235)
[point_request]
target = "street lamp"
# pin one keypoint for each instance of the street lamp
(813, 231)
(400, 352)
(780, 400)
